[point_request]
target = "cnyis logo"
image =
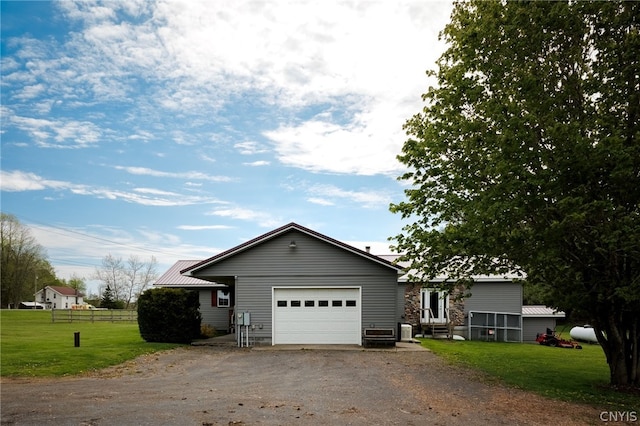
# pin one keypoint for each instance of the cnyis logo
(619, 416)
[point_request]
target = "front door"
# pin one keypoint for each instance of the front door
(433, 306)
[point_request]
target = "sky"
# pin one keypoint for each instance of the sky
(181, 129)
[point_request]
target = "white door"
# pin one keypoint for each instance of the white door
(433, 307)
(316, 316)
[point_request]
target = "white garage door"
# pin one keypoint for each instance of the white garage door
(316, 316)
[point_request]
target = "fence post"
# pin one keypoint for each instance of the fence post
(76, 339)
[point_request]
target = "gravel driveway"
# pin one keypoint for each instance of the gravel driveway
(223, 386)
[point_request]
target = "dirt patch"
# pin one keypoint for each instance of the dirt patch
(216, 386)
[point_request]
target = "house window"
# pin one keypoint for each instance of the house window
(309, 303)
(350, 303)
(282, 303)
(336, 303)
(323, 303)
(295, 303)
(224, 298)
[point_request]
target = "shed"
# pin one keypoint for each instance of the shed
(537, 319)
(298, 286)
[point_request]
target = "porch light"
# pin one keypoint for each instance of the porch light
(292, 244)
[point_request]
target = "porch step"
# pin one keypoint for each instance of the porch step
(437, 329)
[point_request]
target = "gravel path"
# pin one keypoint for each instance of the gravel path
(220, 386)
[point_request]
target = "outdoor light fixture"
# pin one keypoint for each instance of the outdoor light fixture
(292, 244)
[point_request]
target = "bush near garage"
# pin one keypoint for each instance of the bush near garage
(169, 315)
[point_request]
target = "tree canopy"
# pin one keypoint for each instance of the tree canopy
(23, 262)
(526, 157)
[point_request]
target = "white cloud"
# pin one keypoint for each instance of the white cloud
(263, 219)
(362, 56)
(320, 201)
(178, 175)
(16, 181)
(368, 199)
(196, 57)
(257, 163)
(203, 227)
(58, 133)
(78, 251)
(250, 148)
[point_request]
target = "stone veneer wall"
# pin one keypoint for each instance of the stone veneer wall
(412, 306)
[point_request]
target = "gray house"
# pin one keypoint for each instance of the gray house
(293, 286)
(493, 310)
(296, 286)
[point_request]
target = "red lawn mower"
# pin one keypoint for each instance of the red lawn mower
(550, 338)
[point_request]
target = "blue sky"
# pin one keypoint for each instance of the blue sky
(178, 130)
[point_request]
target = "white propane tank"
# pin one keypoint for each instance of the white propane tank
(586, 333)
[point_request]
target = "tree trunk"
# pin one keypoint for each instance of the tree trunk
(618, 336)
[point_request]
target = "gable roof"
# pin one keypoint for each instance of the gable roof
(173, 278)
(65, 291)
(279, 231)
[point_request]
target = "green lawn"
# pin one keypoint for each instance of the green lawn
(573, 375)
(31, 345)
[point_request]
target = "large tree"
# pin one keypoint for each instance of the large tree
(126, 280)
(526, 156)
(22, 262)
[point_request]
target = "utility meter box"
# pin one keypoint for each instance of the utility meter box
(244, 318)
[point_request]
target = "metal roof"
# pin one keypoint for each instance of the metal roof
(173, 278)
(541, 311)
(440, 278)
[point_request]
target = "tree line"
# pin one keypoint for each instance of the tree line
(25, 270)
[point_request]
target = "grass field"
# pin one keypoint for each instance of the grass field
(572, 375)
(31, 345)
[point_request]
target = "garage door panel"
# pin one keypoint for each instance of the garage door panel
(317, 316)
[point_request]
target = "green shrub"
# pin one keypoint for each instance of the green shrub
(169, 315)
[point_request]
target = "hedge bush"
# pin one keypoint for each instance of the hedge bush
(169, 315)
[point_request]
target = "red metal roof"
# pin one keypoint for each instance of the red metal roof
(173, 278)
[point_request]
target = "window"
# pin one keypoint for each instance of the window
(336, 303)
(224, 298)
(309, 303)
(295, 304)
(282, 303)
(323, 303)
(351, 303)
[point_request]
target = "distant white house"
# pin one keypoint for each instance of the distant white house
(59, 297)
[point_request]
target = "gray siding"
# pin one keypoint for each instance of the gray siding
(313, 263)
(532, 326)
(495, 297)
(217, 318)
